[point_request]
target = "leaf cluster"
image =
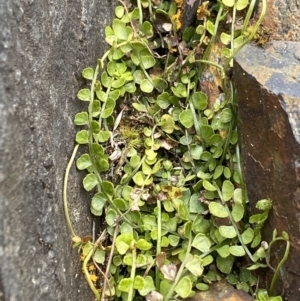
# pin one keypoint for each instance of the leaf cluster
(162, 160)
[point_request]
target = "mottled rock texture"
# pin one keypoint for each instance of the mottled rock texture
(268, 88)
(282, 20)
(222, 291)
(43, 47)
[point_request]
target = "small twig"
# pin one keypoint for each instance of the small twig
(111, 254)
(65, 191)
(103, 275)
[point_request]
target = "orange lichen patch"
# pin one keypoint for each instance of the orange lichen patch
(202, 11)
(91, 268)
(176, 19)
(179, 3)
(94, 278)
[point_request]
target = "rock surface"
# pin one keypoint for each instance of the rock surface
(221, 290)
(43, 47)
(282, 20)
(268, 87)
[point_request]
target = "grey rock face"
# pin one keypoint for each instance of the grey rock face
(282, 20)
(43, 47)
(268, 87)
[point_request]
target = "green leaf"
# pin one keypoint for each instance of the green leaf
(264, 204)
(147, 29)
(199, 100)
(167, 124)
(87, 248)
(163, 100)
(98, 202)
(206, 132)
(89, 181)
(238, 195)
(101, 95)
(195, 266)
(123, 242)
(228, 3)
(227, 190)
(96, 108)
(186, 118)
(216, 140)
(108, 188)
(218, 172)
(201, 243)
(227, 231)
(218, 210)
(99, 256)
(184, 287)
(237, 212)
(148, 286)
(143, 245)
(146, 86)
(207, 260)
(125, 284)
(88, 73)
(247, 236)
(139, 178)
(140, 107)
(159, 83)
(225, 38)
(117, 83)
(174, 240)
(95, 127)
(83, 162)
(237, 251)
(223, 251)
(102, 164)
(183, 211)
(142, 260)
(202, 286)
(103, 136)
(128, 259)
(105, 80)
(120, 29)
(241, 4)
(208, 186)
(225, 264)
(121, 204)
(211, 26)
(179, 90)
(139, 282)
(148, 61)
(81, 118)
(119, 11)
(226, 115)
(109, 108)
(84, 94)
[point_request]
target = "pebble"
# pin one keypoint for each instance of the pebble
(221, 291)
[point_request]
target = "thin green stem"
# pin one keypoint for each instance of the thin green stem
(249, 38)
(242, 181)
(234, 225)
(110, 258)
(158, 244)
(65, 191)
(87, 275)
(181, 269)
(248, 15)
(212, 40)
(132, 274)
(232, 30)
(140, 11)
(281, 263)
